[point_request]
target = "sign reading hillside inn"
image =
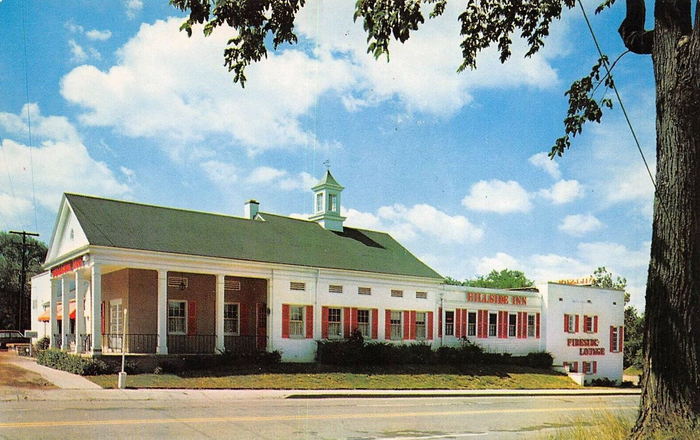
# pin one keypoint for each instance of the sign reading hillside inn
(495, 298)
(587, 347)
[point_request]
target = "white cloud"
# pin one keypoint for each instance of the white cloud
(564, 191)
(419, 221)
(265, 175)
(73, 27)
(221, 173)
(133, 7)
(614, 255)
(500, 261)
(580, 224)
(56, 128)
(78, 54)
(497, 196)
(631, 184)
(302, 181)
(99, 35)
(174, 89)
(553, 267)
(542, 160)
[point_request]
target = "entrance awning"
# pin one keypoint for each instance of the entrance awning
(45, 317)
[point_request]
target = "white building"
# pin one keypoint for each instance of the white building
(196, 282)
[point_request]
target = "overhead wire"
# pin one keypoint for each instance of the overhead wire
(27, 106)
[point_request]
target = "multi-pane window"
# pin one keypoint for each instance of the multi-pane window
(471, 324)
(335, 328)
(396, 325)
(420, 325)
(363, 322)
(116, 325)
(231, 319)
(587, 367)
(319, 202)
(571, 323)
(449, 322)
(493, 321)
(177, 322)
(512, 323)
(422, 295)
(298, 286)
(332, 202)
(587, 324)
(397, 293)
(531, 326)
(335, 288)
(614, 342)
(364, 290)
(296, 321)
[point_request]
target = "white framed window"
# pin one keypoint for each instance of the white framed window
(471, 324)
(614, 339)
(363, 322)
(35, 304)
(396, 327)
(493, 323)
(587, 367)
(335, 288)
(531, 325)
(512, 325)
(420, 325)
(364, 290)
(231, 319)
(177, 317)
(332, 202)
(571, 323)
(297, 286)
(449, 323)
(397, 293)
(587, 324)
(335, 325)
(319, 202)
(422, 295)
(296, 321)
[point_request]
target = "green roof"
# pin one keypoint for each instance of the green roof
(328, 180)
(276, 239)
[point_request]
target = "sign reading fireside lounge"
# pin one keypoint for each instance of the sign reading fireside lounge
(494, 298)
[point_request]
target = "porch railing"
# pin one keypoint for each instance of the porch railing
(58, 339)
(191, 344)
(134, 342)
(244, 344)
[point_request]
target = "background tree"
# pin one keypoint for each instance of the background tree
(634, 322)
(671, 383)
(10, 265)
(505, 279)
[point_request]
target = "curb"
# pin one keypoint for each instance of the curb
(375, 395)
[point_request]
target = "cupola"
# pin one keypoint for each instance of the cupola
(327, 203)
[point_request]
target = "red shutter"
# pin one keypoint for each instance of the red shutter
(324, 322)
(353, 319)
(102, 318)
(566, 323)
(458, 323)
(595, 367)
(285, 320)
(191, 318)
(346, 322)
(519, 325)
(524, 318)
(244, 320)
(576, 324)
(375, 323)
(537, 325)
(621, 339)
(439, 322)
(406, 324)
(387, 325)
(413, 324)
(465, 314)
(595, 324)
(309, 322)
(502, 324)
(612, 340)
(576, 367)
(430, 325)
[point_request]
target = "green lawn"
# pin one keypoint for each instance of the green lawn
(632, 371)
(488, 377)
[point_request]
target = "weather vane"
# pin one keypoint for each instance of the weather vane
(327, 163)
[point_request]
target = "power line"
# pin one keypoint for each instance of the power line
(29, 118)
(23, 275)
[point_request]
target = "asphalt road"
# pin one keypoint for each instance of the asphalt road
(349, 418)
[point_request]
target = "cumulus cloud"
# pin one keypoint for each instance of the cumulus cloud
(219, 172)
(500, 261)
(542, 161)
(55, 128)
(78, 54)
(302, 181)
(133, 7)
(497, 196)
(564, 191)
(580, 224)
(615, 255)
(98, 35)
(174, 89)
(265, 174)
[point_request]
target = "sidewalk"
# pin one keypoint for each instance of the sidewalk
(59, 378)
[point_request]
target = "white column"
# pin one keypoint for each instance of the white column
(220, 346)
(79, 311)
(96, 314)
(65, 317)
(162, 346)
(53, 318)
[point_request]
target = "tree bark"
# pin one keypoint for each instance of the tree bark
(671, 382)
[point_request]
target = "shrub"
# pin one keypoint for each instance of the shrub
(60, 360)
(42, 344)
(603, 382)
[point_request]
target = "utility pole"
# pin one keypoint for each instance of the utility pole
(23, 273)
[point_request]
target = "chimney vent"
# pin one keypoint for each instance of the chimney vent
(251, 208)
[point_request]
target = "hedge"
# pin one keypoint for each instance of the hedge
(71, 363)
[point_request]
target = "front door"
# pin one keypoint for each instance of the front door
(261, 326)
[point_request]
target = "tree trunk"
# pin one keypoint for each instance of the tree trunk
(671, 382)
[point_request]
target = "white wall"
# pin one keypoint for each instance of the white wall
(41, 293)
(607, 304)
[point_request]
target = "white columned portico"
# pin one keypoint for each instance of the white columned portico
(96, 313)
(65, 314)
(53, 317)
(220, 345)
(162, 346)
(79, 311)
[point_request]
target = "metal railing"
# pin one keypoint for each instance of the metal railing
(134, 342)
(244, 344)
(58, 340)
(191, 344)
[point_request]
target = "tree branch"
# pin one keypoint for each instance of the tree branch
(635, 38)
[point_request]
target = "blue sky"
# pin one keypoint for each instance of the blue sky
(123, 105)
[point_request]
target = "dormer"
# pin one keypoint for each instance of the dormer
(326, 203)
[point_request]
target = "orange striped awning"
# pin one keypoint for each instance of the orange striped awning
(45, 317)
